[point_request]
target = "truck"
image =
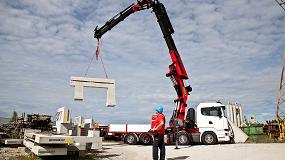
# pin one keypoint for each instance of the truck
(211, 125)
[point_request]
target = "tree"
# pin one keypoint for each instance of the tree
(14, 116)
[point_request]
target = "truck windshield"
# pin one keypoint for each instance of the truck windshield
(211, 111)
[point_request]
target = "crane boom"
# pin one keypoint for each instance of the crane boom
(280, 113)
(176, 72)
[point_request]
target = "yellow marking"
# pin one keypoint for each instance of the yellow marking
(68, 140)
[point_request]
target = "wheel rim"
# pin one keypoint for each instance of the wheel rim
(183, 139)
(130, 139)
(209, 138)
(146, 139)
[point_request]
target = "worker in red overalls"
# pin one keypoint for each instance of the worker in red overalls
(157, 127)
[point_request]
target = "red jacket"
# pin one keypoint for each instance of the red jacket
(156, 120)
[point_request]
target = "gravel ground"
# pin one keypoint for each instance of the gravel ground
(119, 151)
(263, 151)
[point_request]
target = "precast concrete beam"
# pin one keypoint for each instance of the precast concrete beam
(238, 115)
(231, 112)
(234, 114)
(228, 112)
(80, 82)
(241, 114)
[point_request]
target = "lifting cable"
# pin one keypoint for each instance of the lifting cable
(97, 54)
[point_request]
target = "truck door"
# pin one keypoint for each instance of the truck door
(211, 117)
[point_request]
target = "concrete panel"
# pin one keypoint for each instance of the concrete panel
(80, 82)
(238, 116)
(45, 150)
(234, 114)
(28, 144)
(228, 112)
(239, 135)
(13, 141)
(49, 151)
(241, 114)
(231, 112)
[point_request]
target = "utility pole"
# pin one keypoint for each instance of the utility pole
(280, 108)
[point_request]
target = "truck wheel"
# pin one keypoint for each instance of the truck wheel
(209, 138)
(145, 139)
(183, 138)
(131, 139)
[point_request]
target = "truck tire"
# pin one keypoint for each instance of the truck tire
(183, 138)
(209, 138)
(145, 139)
(131, 139)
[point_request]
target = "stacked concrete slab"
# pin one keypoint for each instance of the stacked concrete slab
(49, 144)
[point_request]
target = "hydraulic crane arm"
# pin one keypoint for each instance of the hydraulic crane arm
(177, 72)
(140, 5)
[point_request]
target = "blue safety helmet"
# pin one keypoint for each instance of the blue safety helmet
(159, 108)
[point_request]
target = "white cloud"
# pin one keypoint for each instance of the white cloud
(231, 50)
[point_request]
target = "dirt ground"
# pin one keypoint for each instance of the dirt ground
(6, 153)
(119, 151)
(263, 151)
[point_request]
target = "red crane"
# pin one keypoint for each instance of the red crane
(177, 72)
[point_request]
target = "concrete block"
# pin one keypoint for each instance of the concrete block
(28, 144)
(13, 141)
(80, 82)
(96, 145)
(92, 133)
(63, 120)
(27, 130)
(71, 132)
(78, 91)
(80, 146)
(49, 151)
(88, 123)
(63, 115)
(79, 121)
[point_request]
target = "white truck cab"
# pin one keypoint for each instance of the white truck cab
(212, 123)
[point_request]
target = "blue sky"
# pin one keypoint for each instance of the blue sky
(232, 51)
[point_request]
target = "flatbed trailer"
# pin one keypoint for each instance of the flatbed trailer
(139, 134)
